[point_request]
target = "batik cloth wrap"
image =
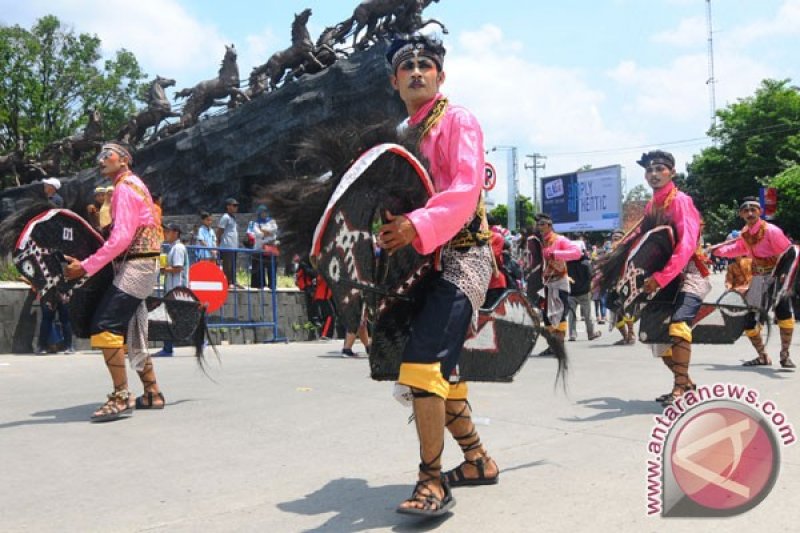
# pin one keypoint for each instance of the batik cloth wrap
(137, 278)
(470, 271)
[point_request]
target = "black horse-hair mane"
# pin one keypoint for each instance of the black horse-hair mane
(298, 203)
(610, 266)
(13, 224)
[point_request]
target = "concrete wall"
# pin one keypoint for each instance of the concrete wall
(20, 316)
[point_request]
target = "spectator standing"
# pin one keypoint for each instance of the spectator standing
(206, 237)
(228, 237)
(176, 271)
(51, 187)
(580, 272)
(263, 232)
(93, 209)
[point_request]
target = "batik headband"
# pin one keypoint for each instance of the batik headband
(415, 50)
(117, 149)
(750, 203)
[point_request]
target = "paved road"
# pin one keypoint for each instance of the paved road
(294, 438)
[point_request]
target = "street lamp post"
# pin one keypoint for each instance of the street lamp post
(513, 184)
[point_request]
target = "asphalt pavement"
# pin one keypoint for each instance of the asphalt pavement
(292, 437)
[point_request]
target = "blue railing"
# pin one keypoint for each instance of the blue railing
(245, 306)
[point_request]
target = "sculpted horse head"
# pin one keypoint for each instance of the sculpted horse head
(156, 97)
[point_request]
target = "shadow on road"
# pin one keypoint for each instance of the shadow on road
(359, 507)
(775, 371)
(615, 408)
(76, 413)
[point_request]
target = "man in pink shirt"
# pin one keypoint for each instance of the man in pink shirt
(678, 209)
(764, 243)
(120, 320)
(556, 251)
(454, 220)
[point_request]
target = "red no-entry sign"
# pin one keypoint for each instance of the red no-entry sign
(208, 282)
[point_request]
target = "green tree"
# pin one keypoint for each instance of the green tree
(755, 138)
(640, 193)
(788, 214)
(500, 212)
(50, 78)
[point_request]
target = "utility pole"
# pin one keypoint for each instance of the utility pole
(712, 81)
(537, 162)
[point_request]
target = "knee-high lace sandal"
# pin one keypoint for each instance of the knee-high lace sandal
(112, 410)
(681, 354)
(148, 399)
(430, 505)
(468, 442)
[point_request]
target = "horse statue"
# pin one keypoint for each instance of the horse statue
(408, 18)
(91, 138)
(302, 49)
(358, 174)
(158, 109)
(324, 52)
(203, 95)
(367, 14)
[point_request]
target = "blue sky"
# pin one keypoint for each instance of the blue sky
(582, 81)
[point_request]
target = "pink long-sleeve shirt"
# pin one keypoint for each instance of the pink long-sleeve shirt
(129, 211)
(558, 253)
(773, 243)
(686, 219)
(454, 150)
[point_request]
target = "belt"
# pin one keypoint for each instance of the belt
(141, 255)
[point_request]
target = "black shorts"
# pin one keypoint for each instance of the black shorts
(439, 328)
(686, 308)
(114, 312)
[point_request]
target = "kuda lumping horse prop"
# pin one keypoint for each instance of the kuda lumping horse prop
(48, 235)
(644, 251)
(365, 173)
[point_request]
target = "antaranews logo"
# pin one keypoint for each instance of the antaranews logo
(715, 452)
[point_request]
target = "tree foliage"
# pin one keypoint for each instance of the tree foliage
(756, 138)
(50, 78)
(788, 214)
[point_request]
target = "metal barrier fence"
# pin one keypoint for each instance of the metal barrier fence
(245, 307)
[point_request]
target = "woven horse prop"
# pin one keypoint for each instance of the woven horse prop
(642, 252)
(368, 172)
(46, 235)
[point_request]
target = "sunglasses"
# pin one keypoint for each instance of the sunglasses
(105, 154)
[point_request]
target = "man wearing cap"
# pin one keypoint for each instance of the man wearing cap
(120, 319)
(51, 186)
(228, 237)
(678, 209)
(453, 219)
(93, 209)
(176, 271)
(764, 243)
(556, 251)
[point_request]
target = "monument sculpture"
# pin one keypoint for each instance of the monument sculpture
(302, 49)
(158, 109)
(203, 95)
(175, 157)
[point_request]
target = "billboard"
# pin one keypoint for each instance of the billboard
(588, 200)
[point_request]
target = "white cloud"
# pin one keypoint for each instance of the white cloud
(533, 106)
(689, 33)
(786, 22)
